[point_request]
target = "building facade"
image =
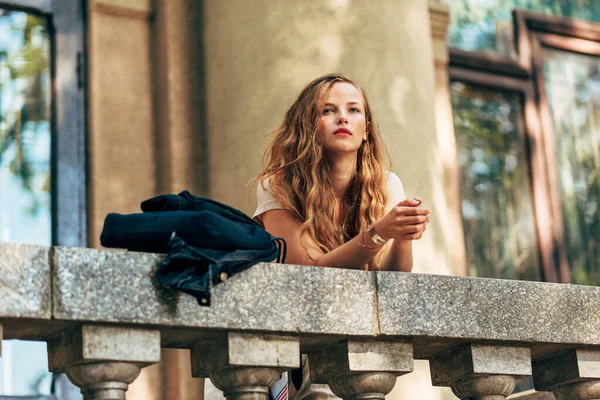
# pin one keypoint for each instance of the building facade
(141, 97)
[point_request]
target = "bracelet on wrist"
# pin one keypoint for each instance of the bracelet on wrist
(378, 240)
(361, 242)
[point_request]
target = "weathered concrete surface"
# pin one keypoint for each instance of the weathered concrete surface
(24, 281)
(484, 387)
(267, 297)
(566, 367)
(532, 395)
(239, 349)
(580, 390)
(95, 343)
(446, 307)
(103, 380)
(270, 350)
(475, 359)
(352, 356)
(322, 305)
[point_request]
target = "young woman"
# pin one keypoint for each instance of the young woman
(326, 189)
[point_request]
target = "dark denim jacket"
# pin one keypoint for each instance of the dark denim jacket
(206, 241)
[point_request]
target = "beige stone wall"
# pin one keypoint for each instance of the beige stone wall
(448, 167)
(120, 121)
(178, 60)
(260, 54)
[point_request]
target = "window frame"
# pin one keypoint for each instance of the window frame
(533, 31)
(35, 6)
(68, 154)
(572, 36)
(503, 80)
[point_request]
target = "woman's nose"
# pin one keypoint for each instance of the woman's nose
(342, 119)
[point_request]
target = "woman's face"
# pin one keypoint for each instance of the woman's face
(343, 124)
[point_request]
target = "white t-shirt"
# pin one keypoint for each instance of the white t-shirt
(266, 201)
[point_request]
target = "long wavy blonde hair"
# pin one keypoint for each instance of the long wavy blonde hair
(300, 179)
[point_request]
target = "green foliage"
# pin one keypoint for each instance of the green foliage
(576, 120)
(497, 211)
(474, 22)
(28, 73)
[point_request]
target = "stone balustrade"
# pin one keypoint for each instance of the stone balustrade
(104, 318)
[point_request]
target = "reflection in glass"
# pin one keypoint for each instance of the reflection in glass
(24, 171)
(486, 25)
(572, 84)
(497, 209)
(24, 128)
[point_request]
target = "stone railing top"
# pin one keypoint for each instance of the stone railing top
(25, 281)
(71, 285)
(113, 286)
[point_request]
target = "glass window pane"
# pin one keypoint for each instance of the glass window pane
(24, 171)
(497, 209)
(24, 129)
(486, 25)
(572, 85)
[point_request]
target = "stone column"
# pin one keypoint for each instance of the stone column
(361, 370)
(180, 142)
(532, 395)
(481, 372)
(120, 97)
(439, 19)
(570, 375)
(103, 360)
(245, 365)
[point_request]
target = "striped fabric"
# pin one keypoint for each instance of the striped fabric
(279, 391)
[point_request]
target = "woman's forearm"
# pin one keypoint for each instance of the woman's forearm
(351, 254)
(399, 256)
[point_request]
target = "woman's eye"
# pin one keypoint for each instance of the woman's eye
(327, 111)
(355, 109)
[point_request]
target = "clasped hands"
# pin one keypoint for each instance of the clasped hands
(405, 221)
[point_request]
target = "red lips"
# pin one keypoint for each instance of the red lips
(342, 131)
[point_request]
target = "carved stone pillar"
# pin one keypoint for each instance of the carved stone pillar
(439, 19)
(570, 375)
(103, 360)
(532, 395)
(245, 365)
(361, 370)
(481, 372)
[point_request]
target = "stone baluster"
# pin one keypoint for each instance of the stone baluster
(481, 372)
(531, 395)
(570, 375)
(103, 360)
(361, 369)
(245, 365)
